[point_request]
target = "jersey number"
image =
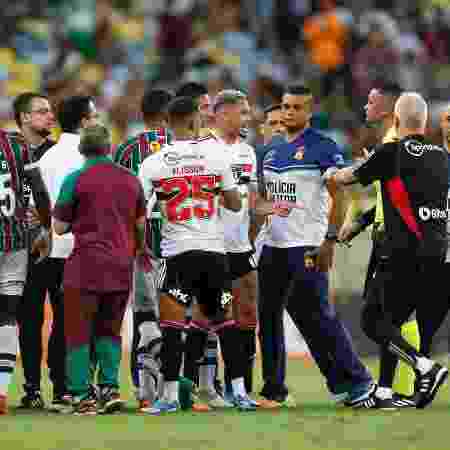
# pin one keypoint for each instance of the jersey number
(198, 188)
(7, 196)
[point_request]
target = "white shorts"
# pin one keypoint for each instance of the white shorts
(13, 272)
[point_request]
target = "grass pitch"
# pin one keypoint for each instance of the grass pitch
(315, 424)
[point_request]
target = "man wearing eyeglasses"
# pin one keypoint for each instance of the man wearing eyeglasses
(35, 119)
(74, 113)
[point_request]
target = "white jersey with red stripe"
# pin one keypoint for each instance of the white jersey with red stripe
(188, 178)
(237, 224)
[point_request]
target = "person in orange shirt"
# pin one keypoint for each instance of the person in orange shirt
(326, 36)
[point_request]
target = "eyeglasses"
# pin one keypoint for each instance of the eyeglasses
(42, 111)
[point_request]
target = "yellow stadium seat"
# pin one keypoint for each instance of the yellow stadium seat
(23, 77)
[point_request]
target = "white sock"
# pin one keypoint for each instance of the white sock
(238, 387)
(423, 365)
(384, 393)
(8, 347)
(208, 367)
(171, 391)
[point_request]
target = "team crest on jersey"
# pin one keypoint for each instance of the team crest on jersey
(171, 158)
(155, 147)
(299, 153)
(270, 156)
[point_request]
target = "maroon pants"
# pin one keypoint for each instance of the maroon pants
(89, 314)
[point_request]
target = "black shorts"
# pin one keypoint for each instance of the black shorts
(197, 274)
(241, 264)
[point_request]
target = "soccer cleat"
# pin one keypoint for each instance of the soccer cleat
(428, 385)
(374, 402)
(61, 404)
(161, 407)
(213, 400)
(289, 402)
(244, 403)
(94, 391)
(360, 394)
(32, 400)
(268, 404)
(200, 407)
(405, 401)
(143, 404)
(85, 407)
(3, 405)
(110, 401)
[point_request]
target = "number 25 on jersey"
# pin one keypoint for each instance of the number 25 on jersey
(190, 197)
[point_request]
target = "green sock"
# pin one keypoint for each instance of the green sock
(108, 353)
(77, 366)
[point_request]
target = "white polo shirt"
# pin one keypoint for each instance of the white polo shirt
(58, 162)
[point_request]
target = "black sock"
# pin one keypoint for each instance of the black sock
(171, 353)
(388, 365)
(249, 342)
(194, 348)
(232, 352)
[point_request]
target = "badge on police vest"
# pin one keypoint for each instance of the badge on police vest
(299, 154)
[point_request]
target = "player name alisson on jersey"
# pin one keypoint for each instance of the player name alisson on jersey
(282, 190)
(188, 170)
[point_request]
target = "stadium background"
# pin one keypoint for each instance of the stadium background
(114, 49)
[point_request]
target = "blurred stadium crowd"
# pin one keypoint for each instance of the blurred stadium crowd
(113, 49)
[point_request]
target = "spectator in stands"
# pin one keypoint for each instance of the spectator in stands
(375, 60)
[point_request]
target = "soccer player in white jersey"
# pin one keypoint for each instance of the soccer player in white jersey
(298, 253)
(232, 114)
(188, 178)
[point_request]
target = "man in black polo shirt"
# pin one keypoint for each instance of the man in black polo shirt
(414, 179)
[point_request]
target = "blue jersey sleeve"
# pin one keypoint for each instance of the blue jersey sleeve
(331, 155)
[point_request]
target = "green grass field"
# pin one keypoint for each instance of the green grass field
(315, 424)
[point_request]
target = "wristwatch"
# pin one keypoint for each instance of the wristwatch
(331, 236)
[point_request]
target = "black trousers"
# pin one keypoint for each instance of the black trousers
(404, 283)
(43, 277)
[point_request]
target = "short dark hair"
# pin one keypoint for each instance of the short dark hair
(155, 101)
(298, 89)
(192, 89)
(390, 88)
(22, 104)
(181, 107)
(272, 108)
(95, 140)
(72, 110)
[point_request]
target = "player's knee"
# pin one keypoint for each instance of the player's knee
(247, 316)
(171, 310)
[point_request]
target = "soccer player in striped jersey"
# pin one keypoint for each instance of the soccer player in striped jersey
(147, 335)
(132, 152)
(16, 168)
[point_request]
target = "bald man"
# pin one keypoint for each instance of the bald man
(414, 182)
(380, 117)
